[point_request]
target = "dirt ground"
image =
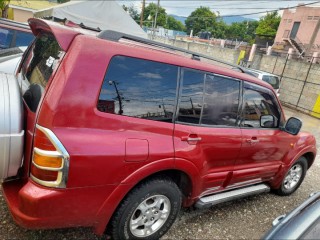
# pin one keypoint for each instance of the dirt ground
(247, 218)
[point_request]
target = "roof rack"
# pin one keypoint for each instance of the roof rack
(115, 36)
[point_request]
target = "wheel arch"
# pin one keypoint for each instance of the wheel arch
(182, 180)
(310, 156)
(186, 178)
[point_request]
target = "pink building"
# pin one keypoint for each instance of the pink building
(299, 29)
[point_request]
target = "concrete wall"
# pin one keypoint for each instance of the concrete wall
(226, 54)
(300, 84)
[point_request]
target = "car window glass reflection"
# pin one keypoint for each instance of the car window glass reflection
(258, 103)
(191, 99)
(221, 101)
(139, 88)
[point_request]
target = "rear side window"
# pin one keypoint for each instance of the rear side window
(6, 36)
(207, 99)
(191, 96)
(14, 38)
(37, 67)
(139, 88)
(23, 38)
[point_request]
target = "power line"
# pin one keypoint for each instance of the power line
(241, 3)
(253, 13)
(246, 14)
(224, 7)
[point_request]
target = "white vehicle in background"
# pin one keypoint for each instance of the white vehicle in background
(10, 59)
(270, 78)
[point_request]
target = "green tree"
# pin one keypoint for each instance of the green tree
(201, 19)
(4, 6)
(62, 1)
(133, 12)
(251, 31)
(174, 24)
(150, 14)
(242, 31)
(163, 19)
(236, 30)
(219, 30)
(268, 25)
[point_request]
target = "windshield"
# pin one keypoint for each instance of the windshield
(37, 67)
(272, 80)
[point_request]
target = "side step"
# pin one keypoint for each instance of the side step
(208, 201)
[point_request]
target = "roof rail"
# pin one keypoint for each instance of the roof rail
(115, 36)
(14, 23)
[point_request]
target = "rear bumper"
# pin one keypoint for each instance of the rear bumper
(35, 207)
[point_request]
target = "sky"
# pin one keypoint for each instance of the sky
(222, 8)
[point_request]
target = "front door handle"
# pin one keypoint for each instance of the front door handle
(253, 140)
(191, 139)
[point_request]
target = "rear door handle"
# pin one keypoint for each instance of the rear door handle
(253, 140)
(191, 139)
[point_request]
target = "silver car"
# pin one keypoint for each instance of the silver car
(270, 78)
(11, 126)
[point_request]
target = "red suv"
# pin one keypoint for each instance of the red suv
(120, 132)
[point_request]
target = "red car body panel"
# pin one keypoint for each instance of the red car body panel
(209, 155)
(63, 35)
(110, 154)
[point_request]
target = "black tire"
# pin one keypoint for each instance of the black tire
(285, 188)
(147, 196)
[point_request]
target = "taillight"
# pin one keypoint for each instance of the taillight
(50, 160)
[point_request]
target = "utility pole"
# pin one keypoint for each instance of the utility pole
(142, 12)
(155, 18)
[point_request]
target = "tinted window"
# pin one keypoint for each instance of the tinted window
(37, 67)
(191, 97)
(139, 88)
(258, 101)
(208, 99)
(23, 38)
(221, 101)
(272, 80)
(6, 36)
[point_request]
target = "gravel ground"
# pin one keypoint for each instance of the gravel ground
(247, 218)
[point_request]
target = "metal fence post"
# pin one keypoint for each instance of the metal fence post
(305, 81)
(275, 64)
(284, 67)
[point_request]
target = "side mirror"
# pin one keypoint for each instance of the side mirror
(267, 121)
(293, 126)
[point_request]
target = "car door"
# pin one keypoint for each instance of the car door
(263, 147)
(206, 131)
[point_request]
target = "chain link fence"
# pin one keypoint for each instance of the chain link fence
(300, 79)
